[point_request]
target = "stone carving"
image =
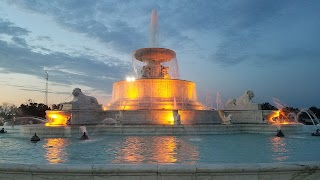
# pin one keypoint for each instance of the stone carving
(242, 100)
(225, 119)
(242, 103)
(145, 72)
(176, 117)
(165, 73)
(81, 101)
(119, 118)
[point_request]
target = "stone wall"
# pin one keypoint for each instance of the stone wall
(297, 170)
(143, 117)
(247, 116)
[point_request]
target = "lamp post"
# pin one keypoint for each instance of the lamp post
(46, 90)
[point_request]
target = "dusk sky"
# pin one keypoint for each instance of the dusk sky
(271, 47)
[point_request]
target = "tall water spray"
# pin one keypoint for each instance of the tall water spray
(159, 55)
(154, 29)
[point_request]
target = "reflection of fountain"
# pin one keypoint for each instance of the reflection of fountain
(55, 150)
(160, 149)
(279, 149)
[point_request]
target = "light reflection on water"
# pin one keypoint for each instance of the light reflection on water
(184, 149)
(156, 149)
(55, 150)
(279, 148)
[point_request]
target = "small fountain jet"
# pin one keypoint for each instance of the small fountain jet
(35, 138)
(3, 131)
(280, 134)
(84, 136)
(317, 133)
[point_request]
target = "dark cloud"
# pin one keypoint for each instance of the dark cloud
(9, 28)
(241, 24)
(82, 16)
(273, 30)
(20, 41)
(62, 68)
(44, 38)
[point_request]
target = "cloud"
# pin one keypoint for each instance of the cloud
(94, 18)
(20, 41)
(274, 31)
(62, 68)
(9, 28)
(247, 30)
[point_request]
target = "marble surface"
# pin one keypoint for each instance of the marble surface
(81, 102)
(259, 171)
(243, 102)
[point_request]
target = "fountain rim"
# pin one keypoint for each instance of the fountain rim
(156, 171)
(154, 79)
(140, 54)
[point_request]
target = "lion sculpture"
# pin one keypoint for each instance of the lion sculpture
(81, 101)
(242, 103)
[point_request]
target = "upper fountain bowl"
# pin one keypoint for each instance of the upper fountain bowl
(154, 54)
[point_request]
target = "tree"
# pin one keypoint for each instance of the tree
(8, 110)
(34, 109)
(315, 110)
(267, 106)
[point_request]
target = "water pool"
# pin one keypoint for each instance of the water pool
(178, 149)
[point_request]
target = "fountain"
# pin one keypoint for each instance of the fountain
(181, 139)
(157, 86)
(154, 97)
(312, 116)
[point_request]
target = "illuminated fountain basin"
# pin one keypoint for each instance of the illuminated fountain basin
(157, 85)
(233, 154)
(155, 94)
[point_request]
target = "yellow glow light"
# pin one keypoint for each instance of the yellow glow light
(130, 79)
(168, 118)
(273, 116)
(55, 152)
(159, 93)
(56, 118)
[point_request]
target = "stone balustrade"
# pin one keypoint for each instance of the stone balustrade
(299, 170)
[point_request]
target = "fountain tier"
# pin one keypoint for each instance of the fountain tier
(154, 54)
(154, 94)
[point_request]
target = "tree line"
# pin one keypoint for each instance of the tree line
(30, 108)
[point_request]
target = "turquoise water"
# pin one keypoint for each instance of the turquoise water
(183, 149)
